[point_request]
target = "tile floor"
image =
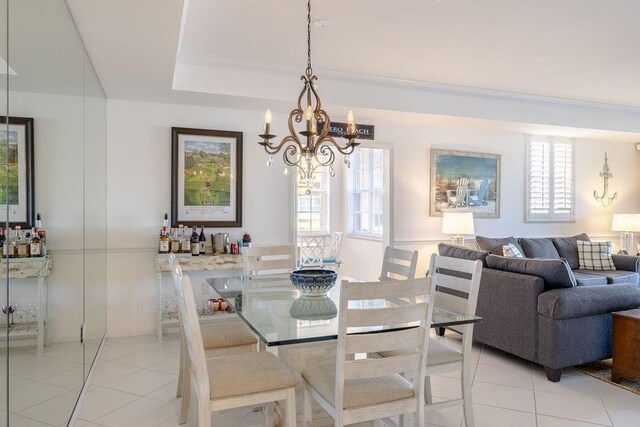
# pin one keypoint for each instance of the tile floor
(43, 388)
(135, 380)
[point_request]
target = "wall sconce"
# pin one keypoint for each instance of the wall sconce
(605, 174)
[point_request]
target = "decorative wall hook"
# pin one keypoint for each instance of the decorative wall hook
(605, 174)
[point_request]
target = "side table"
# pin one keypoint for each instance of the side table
(192, 263)
(626, 345)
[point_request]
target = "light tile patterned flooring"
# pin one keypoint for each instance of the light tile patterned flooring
(135, 380)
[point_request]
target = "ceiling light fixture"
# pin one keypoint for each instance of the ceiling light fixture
(317, 150)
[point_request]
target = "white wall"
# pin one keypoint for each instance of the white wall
(138, 159)
(139, 192)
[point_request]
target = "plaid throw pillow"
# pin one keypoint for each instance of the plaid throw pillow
(595, 256)
(511, 250)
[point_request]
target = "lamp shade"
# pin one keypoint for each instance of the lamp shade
(625, 222)
(457, 223)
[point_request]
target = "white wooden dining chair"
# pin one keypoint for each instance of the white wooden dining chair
(355, 390)
(398, 264)
(260, 260)
(457, 282)
(218, 339)
(311, 251)
(228, 382)
(333, 256)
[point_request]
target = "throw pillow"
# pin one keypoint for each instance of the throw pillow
(595, 256)
(567, 248)
(539, 248)
(511, 250)
(494, 245)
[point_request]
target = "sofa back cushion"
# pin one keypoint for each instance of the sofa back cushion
(462, 253)
(539, 248)
(494, 245)
(555, 272)
(567, 248)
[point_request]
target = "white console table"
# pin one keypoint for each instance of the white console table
(30, 268)
(193, 263)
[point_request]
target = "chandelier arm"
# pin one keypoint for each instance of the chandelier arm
(275, 148)
(315, 94)
(345, 150)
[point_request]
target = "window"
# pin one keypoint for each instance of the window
(313, 209)
(366, 192)
(550, 179)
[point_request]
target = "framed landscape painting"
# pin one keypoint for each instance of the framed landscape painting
(206, 177)
(464, 181)
(17, 198)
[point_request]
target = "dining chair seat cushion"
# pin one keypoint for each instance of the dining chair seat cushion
(227, 334)
(247, 373)
(357, 392)
(438, 353)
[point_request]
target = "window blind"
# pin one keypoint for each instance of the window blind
(550, 179)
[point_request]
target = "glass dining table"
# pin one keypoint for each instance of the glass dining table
(280, 315)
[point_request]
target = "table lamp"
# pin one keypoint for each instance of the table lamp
(457, 223)
(626, 223)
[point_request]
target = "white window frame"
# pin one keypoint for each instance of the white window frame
(327, 202)
(551, 216)
(387, 200)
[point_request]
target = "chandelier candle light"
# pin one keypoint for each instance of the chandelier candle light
(317, 150)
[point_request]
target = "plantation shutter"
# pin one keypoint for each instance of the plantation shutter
(550, 179)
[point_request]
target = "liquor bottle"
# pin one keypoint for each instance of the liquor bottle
(175, 242)
(202, 240)
(22, 247)
(35, 244)
(3, 242)
(9, 248)
(163, 242)
(185, 242)
(42, 233)
(165, 222)
(195, 244)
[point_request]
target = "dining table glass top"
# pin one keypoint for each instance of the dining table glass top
(280, 315)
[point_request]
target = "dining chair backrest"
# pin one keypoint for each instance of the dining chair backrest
(336, 246)
(269, 259)
(193, 336)
(457, 282)
(311, 251)
(419, 296)
(398, 264)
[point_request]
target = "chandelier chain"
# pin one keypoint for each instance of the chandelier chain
(309, 70)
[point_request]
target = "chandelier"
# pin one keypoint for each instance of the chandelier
(311, 150)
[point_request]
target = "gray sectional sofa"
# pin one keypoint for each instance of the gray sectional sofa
(543, 308)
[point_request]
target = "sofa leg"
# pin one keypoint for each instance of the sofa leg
(553, 375)
(440, 331)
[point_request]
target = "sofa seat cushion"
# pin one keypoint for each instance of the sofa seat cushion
(462, 253)
(567, 248)
(582, 301)
(555, 272)
(586, 278)
(539, 248)
(494, 245)
(616, 277)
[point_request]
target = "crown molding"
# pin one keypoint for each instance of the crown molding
(265, 67)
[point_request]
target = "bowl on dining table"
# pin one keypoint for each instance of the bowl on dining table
(313, 282)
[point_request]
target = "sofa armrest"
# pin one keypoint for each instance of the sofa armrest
(626, 262)
(583, 301)
(507, 303)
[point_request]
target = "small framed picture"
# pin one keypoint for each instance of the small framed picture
(206, 177)
(16, 180)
